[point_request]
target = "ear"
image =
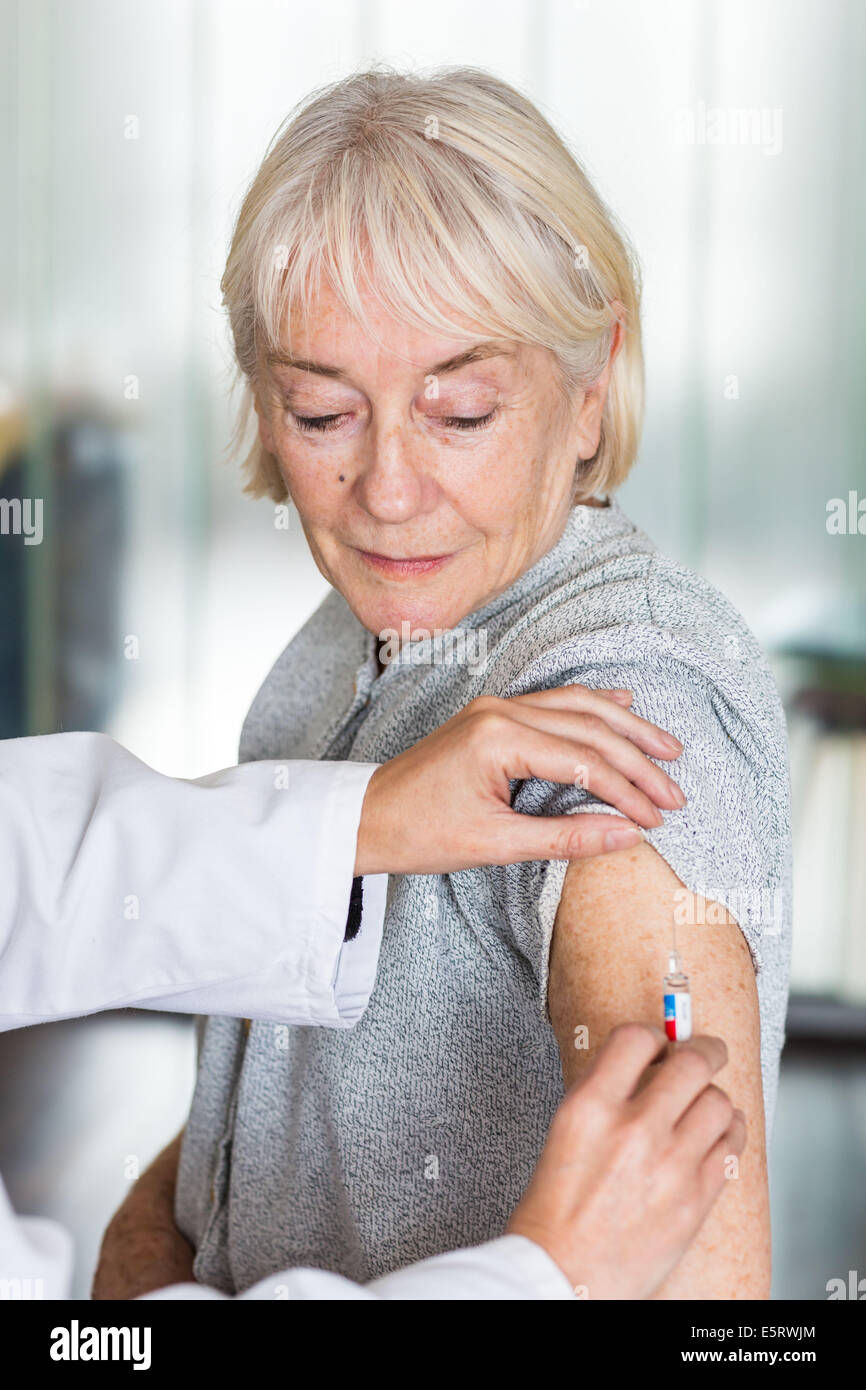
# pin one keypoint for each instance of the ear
(591, 411)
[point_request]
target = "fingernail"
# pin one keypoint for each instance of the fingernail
(672, 743)
(621, 839)
(678, 794)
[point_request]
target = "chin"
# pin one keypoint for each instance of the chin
(440, 600)
(422, 615)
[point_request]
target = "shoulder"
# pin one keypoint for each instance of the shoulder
(632, 617)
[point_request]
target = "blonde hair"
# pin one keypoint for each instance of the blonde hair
(448, 189)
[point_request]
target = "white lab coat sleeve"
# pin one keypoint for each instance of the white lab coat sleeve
(511, 1267)
(36, 1258)
(227, 894)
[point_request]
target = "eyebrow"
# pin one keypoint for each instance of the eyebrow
(479, 352)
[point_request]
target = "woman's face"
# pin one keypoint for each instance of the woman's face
(428, 475)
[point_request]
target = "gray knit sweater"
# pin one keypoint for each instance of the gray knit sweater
(415, 1132)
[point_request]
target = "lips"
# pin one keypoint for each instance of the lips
(403, 566)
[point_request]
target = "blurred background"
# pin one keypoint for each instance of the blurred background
(149, 598)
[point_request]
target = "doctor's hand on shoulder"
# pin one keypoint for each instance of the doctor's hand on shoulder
(445, 803)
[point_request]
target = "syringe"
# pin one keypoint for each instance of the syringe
(678, 1000)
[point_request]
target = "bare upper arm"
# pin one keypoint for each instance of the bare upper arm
(608, 956)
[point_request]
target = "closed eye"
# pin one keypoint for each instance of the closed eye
(319, 423)
(468, 422)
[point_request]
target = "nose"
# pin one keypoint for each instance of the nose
(393, 485)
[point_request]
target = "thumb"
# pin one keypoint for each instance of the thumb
(522, 837)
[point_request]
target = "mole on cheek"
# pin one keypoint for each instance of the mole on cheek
(342, 478)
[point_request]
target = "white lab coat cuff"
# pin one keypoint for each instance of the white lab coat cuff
(340, 973)
(358, 960)
(511, 1267)
(315, 977)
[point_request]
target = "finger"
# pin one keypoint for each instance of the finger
(529, 749)
(622, 697)
(609, 765)
(645, 734)
(683, 1075)
(521, 837)
(715, 1167)
(703, 1124)
(627, 1052)
(594, 728)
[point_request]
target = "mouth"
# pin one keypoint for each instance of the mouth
(404, 567)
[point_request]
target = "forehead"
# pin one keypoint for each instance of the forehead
(329, 335)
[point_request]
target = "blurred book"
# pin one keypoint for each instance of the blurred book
(827, 742)
(821, 796)
(74, 617)
(854, 961)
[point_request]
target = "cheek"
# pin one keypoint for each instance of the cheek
(500, 492)
(316, 486)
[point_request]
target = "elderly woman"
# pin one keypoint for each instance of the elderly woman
(438, 322)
